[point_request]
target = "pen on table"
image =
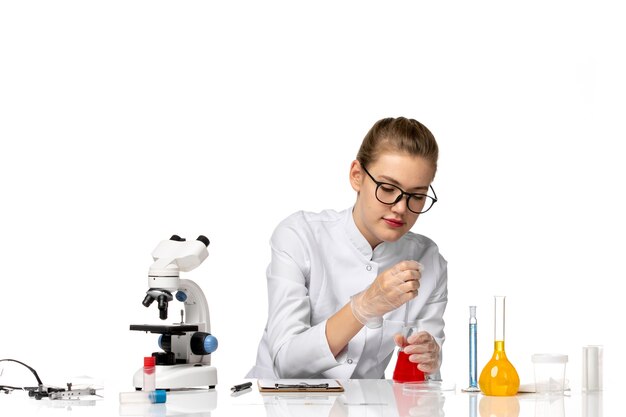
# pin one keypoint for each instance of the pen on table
(241, 387)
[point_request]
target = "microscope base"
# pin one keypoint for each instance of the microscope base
(180, 376)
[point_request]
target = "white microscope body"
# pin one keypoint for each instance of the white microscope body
(187, 346)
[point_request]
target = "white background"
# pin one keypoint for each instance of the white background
(123, 122)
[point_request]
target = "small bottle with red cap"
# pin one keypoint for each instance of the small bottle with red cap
(149, 373)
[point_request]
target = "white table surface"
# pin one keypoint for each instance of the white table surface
(361, 398)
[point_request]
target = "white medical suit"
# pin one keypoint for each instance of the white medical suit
(318, 261)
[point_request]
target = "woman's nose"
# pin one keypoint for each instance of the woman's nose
(401, 205)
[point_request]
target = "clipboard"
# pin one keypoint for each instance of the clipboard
(299, 385)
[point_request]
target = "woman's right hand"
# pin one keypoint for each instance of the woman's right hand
(390, 290)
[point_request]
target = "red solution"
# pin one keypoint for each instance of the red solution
(407, 371)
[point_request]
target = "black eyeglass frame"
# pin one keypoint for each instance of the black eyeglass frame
(402, 194)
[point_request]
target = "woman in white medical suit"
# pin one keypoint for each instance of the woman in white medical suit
(340, 283)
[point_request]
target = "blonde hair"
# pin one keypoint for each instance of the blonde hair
(398, 134)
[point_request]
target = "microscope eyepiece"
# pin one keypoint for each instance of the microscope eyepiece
(204, 240)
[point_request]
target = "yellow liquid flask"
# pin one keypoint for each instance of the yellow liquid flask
(499, 377)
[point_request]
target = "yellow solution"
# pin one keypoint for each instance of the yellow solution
(499, 377)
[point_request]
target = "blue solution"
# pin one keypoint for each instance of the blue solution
(472, 355)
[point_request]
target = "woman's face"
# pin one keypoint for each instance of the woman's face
(379, 222)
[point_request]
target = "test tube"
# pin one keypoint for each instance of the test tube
(143, 397)
(592, 368)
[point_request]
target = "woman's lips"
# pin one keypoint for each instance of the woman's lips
(394, 222)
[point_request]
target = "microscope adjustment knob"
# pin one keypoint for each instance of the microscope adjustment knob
(203, 343)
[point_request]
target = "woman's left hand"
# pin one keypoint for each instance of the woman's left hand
(423, 350)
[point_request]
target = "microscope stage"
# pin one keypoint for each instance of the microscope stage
(177, 329)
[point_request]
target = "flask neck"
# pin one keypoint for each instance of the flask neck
(498, 351)
(499, 319)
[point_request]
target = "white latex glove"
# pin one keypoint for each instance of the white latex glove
(390, 290)
(423, 350)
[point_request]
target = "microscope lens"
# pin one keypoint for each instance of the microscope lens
(162, 307)
(148, 300)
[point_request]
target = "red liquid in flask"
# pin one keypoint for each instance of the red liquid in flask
(407, 371)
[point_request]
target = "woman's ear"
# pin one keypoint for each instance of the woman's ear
(356, 175)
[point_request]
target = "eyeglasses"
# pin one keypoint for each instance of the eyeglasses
(390, 194)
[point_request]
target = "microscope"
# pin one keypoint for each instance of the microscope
(185, 359)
